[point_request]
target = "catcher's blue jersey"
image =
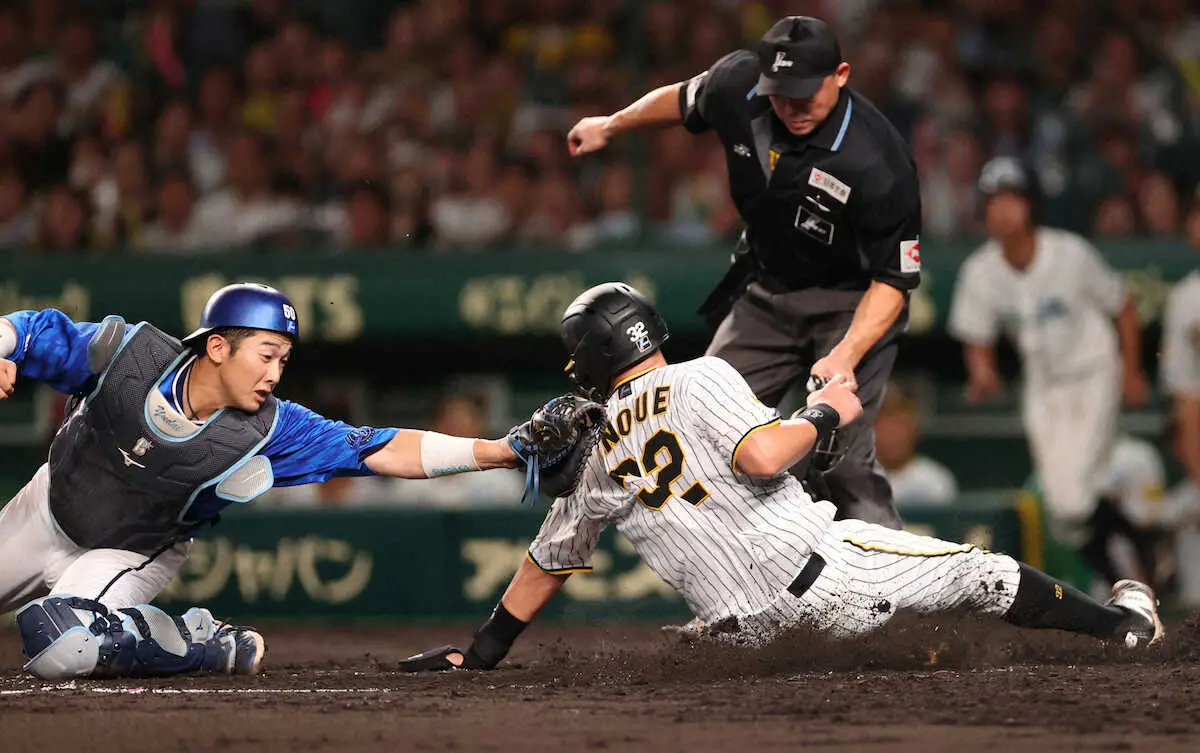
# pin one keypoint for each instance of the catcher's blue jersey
(305, 448)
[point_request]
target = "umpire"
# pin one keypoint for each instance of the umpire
(829, 194)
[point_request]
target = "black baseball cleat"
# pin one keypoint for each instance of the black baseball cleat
(1144, 628)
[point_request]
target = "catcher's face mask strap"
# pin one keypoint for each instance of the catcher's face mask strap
(828, 453)
(585, 371)
(581, 387)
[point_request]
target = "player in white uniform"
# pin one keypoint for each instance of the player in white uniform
(1181, 355)
(1129, 528)
(1181, 378)
(692, 470)
(1055, 296)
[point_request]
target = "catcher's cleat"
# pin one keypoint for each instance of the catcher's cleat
(1145, 627)
(240, 649)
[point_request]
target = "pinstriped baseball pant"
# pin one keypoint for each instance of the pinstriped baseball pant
(872, 572)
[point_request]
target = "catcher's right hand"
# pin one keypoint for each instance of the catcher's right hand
(8, 377)
(555, 443)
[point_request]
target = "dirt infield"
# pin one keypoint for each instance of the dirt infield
(924, 685)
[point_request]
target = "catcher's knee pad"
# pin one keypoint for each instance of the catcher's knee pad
(65, 637)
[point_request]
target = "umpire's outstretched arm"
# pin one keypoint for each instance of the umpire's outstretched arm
(655, 109)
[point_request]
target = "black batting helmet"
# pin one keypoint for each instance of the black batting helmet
(607, 329)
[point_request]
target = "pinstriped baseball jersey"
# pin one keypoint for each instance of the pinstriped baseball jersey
(663, 475)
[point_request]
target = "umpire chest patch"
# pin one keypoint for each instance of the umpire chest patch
(829, 184)
(814, 226)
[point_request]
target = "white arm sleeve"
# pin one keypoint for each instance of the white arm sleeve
(973, 317)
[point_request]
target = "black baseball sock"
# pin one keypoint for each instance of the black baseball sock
(1043, 602)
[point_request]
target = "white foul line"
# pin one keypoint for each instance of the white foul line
(193, 691)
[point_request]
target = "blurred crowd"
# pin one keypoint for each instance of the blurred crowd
(176, 125)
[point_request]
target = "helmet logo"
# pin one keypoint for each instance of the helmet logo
(289, 314)
(639, 336)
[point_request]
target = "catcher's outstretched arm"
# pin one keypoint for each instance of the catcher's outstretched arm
(426, 454)
(530, 590)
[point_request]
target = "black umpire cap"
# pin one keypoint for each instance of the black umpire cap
(795, 56)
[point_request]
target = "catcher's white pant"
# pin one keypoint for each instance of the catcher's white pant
(36, 558)
(1072, 427)
(872, 572)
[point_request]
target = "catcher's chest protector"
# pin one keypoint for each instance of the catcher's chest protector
(118, 479)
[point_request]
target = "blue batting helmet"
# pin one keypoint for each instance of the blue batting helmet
(248, 304)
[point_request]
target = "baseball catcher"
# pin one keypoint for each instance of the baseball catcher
(162, 434)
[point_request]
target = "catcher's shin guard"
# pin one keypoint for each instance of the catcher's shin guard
(66, 637)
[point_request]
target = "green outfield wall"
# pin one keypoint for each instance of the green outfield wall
(394, 293)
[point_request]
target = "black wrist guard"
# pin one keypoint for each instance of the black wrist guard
(823, 417)
(493, 640)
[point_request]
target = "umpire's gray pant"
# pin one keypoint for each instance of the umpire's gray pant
(773, 339)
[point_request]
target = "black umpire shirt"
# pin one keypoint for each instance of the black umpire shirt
(837, 208)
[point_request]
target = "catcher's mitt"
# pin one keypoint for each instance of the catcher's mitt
(556, 442)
